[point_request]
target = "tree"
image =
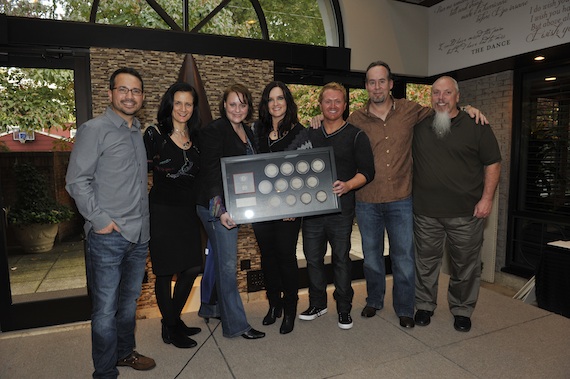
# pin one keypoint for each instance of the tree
(33, 99)
(294, 21)
(420, 93)
(30, 101)
(289, 21)
(28, 8)
(306, 98)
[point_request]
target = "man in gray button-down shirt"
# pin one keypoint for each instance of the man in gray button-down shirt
(107, 177)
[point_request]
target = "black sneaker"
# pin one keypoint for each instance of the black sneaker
(312, 313)
(344, 320)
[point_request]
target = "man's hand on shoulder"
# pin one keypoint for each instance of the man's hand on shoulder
(316, 121)
(476, 114)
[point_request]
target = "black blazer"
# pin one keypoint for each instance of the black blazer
(217, 140)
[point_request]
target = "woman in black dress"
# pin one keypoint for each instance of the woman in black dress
(175, 245)
(278, 125)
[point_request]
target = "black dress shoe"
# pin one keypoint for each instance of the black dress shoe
(406, 322)
(272, 314)
(287, 324)
(462, 323)
(423, 318)
(253, 334)
(368, 312)
(187, 330)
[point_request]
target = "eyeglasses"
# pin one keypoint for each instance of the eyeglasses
(125, 90)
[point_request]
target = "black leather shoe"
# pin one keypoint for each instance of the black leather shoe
(423, 318)
(287, 324)
(173, 335)
(368, 312)
(462, 323)
(187, 330)
(406, 322)
(272, 314)
(253, 334)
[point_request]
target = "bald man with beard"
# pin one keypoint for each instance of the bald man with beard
(456, 171)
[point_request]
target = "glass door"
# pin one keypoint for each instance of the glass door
(44, 94)
(540, 180)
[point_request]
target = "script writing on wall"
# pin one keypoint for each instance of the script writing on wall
(468, 32)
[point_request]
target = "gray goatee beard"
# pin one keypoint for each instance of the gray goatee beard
(441, 124)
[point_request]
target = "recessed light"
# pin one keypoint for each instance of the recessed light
(539, 58)
(550, 79)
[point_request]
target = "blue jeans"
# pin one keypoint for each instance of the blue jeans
(397, 219)
(115, 270)
(317, 231)
(229, 306)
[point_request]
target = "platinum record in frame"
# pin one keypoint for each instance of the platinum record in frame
(279, 185)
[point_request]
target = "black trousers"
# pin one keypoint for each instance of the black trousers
(277, 241)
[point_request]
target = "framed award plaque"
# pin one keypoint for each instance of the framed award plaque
(279, 185)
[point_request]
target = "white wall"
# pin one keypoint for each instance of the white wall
(464, 33)
(387, 30)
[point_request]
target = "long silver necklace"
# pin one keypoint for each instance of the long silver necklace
(183, 134)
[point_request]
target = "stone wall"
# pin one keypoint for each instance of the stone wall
(493, 95)
(159, 70)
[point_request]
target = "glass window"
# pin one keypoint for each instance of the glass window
(288, 21)
(420, 93)
(307, 99)
(294, 21)
(541, 178)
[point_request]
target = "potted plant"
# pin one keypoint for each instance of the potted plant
(36, 215)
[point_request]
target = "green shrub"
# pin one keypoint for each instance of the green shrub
(34, 205)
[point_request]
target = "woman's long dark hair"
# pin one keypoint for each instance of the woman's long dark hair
(265, 122)
(164, 115)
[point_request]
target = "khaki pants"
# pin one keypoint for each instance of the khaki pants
(463, 237)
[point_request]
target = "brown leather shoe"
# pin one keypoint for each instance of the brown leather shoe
(137, 361)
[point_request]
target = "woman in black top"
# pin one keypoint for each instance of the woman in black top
(278, 125)
(225, 137)
(175, 245)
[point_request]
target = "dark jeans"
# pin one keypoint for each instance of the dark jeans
(317, 231)
(277, 241)
(115, 270)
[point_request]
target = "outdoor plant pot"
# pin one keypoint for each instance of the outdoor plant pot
(36, 215)
(36, 238)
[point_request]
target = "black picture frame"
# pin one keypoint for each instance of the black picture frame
(280, 185)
